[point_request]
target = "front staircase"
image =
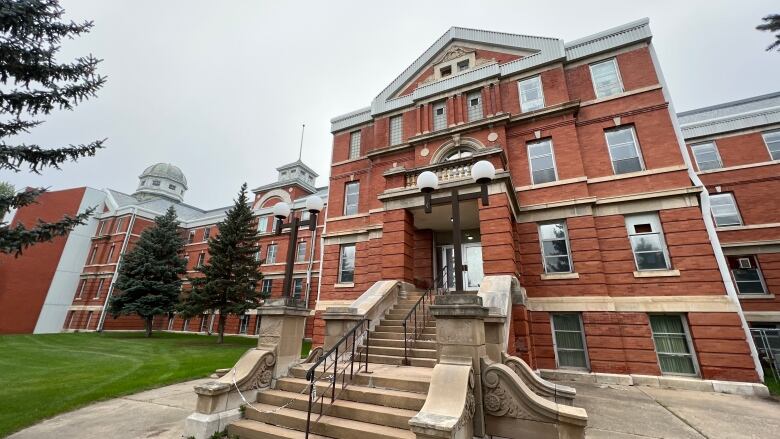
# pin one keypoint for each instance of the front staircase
(375, 405)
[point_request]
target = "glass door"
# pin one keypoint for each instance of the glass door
(472, 259)
(448, 258)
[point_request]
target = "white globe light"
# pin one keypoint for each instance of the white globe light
(427, 181)
(281, 210)
(314, 203)
(483, 171)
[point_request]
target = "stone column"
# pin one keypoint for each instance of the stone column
(338, 321)
(282, 327)
(460, 335)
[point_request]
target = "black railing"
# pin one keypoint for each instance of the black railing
(416, 320)
(339, 360)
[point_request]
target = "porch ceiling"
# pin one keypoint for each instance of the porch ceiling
(439, 218)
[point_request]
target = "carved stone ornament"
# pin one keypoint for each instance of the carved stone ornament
(471, 406)
(455, 52)
(499, 400)
(262, 376)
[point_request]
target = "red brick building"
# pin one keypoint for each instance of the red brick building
(97, 248)
(593, 209)
(735, 150)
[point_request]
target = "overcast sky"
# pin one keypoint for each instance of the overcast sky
(221, 88)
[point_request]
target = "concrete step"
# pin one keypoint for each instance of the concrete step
(399, 352)
(388, 328)
(398, 322)
(399, 361)
(369, 395)
(418, 344)
(249, 429)
(330, 426)
(398, 336)
(393, 377)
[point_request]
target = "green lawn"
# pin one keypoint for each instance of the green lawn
(43, 375)
(772, 383)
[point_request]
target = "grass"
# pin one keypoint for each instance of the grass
(44, 375)
(772, 383)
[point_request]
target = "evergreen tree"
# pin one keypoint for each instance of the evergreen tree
(33, 83)
(149, 276)
(771, 24)
(7, 191)
(229, 281)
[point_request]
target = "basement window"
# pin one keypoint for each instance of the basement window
(569, 341)
(672, 345)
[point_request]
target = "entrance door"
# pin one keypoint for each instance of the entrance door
(472, 261)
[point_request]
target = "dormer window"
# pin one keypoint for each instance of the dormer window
(172, 187)
(155, 182)
(283, 175)
(463, 65)
(445, 71)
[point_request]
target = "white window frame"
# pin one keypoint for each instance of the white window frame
(688, 340)
(93, 256)
(170, 322)
(300, 255)
(637, 148)
(538, 80)
(729, 195)
(530, 159)
(270, 283)
(82, 285)
(341, 263)
(476, 114)
(396, 133)
(584, 342)
(442, 118)
(356, 204)
(110, 254)
(89, 319)
(201, 260)
(769, 150)
(102, 227)
(118, 227)
(758, 271)
(243, 323)
(99, 289)
(354, 144)
(568, 245)
(185, 325)
(191, 237)
(206, 233)
(617, 73)
(297, 281)
(270, 255)
(257, 324)
(654, 220)
(714, 148)
(262, 224)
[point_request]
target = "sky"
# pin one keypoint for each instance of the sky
(221, 88)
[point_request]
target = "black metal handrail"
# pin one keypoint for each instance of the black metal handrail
(334, 361)
(412, 315)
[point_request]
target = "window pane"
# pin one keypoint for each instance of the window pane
(629, 165)
(671, 344)
(569, 345)
(706, 156)
(651, 261)
(544, 176)
(646, 243)
(542, 162)
(354, 145)
(439, 116)
(557, 264)
(555, 248)
(724, 210)
(475, 106)
(351, 192)
(772, 140)
(605, 78)
(347, 264)
(623, 150)
(553, 231)
(396, 124)
(531, 96)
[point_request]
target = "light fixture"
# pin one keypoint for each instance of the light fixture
(483, 172)
(427, 182)
(281, 210)
(314, 203)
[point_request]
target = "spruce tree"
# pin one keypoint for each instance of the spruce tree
(149, 276)
(771, 24)
(34, 83)
(229, 281)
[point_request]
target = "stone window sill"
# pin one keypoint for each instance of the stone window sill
(657, 273)
(755, 296)
(349, 285)
(559, 276)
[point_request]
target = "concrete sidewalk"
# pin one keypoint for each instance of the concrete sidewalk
(619, 412)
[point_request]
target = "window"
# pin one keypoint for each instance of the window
(206, 233)
(439, 115)
(155, 182)
(354, 144)
(624, 150)
(258, 252)
(172, 187)
(94, 254)
(243, 323)
(647, 242)
(191, 237)
(69, 321)
(102, 227)
(724, 210)
(257, 324)
(555, 247)
(351, 192)
(262, 224)
(531, 94)
(185, 325)
(203, 320)
(297, 288)
(569, 341)
(99, 288)
(606, 78)
(300, 252)
(458, 153)
(119, 222)
(81, 288)
(110, 254)
(89, 319)
(542, 161)
(706, 155)
(201, 260)
(672, 345)
(396, 130)
(186, 261)
(267, 285)
(347, 264)
(170, 323)
(445, 71)
(474, 100)
(772, 140)
(270, 257)
(747, 274)
(463, 65)
(305, 215)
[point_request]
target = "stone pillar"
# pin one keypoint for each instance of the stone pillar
(426, 118)
(418, 113)
(499, 107)
(460, 336)
(338, 321)
(487, 103)
(282, 327)
(451, 116)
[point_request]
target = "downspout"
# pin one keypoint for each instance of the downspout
(310, 265)
(708, 221)
(322, 253)
(116, 270)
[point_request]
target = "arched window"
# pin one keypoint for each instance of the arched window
(458, 153)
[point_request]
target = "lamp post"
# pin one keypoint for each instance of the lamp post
(281, 211)
(483, 172)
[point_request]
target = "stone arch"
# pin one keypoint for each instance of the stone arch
(278, 194)
(450, 147)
